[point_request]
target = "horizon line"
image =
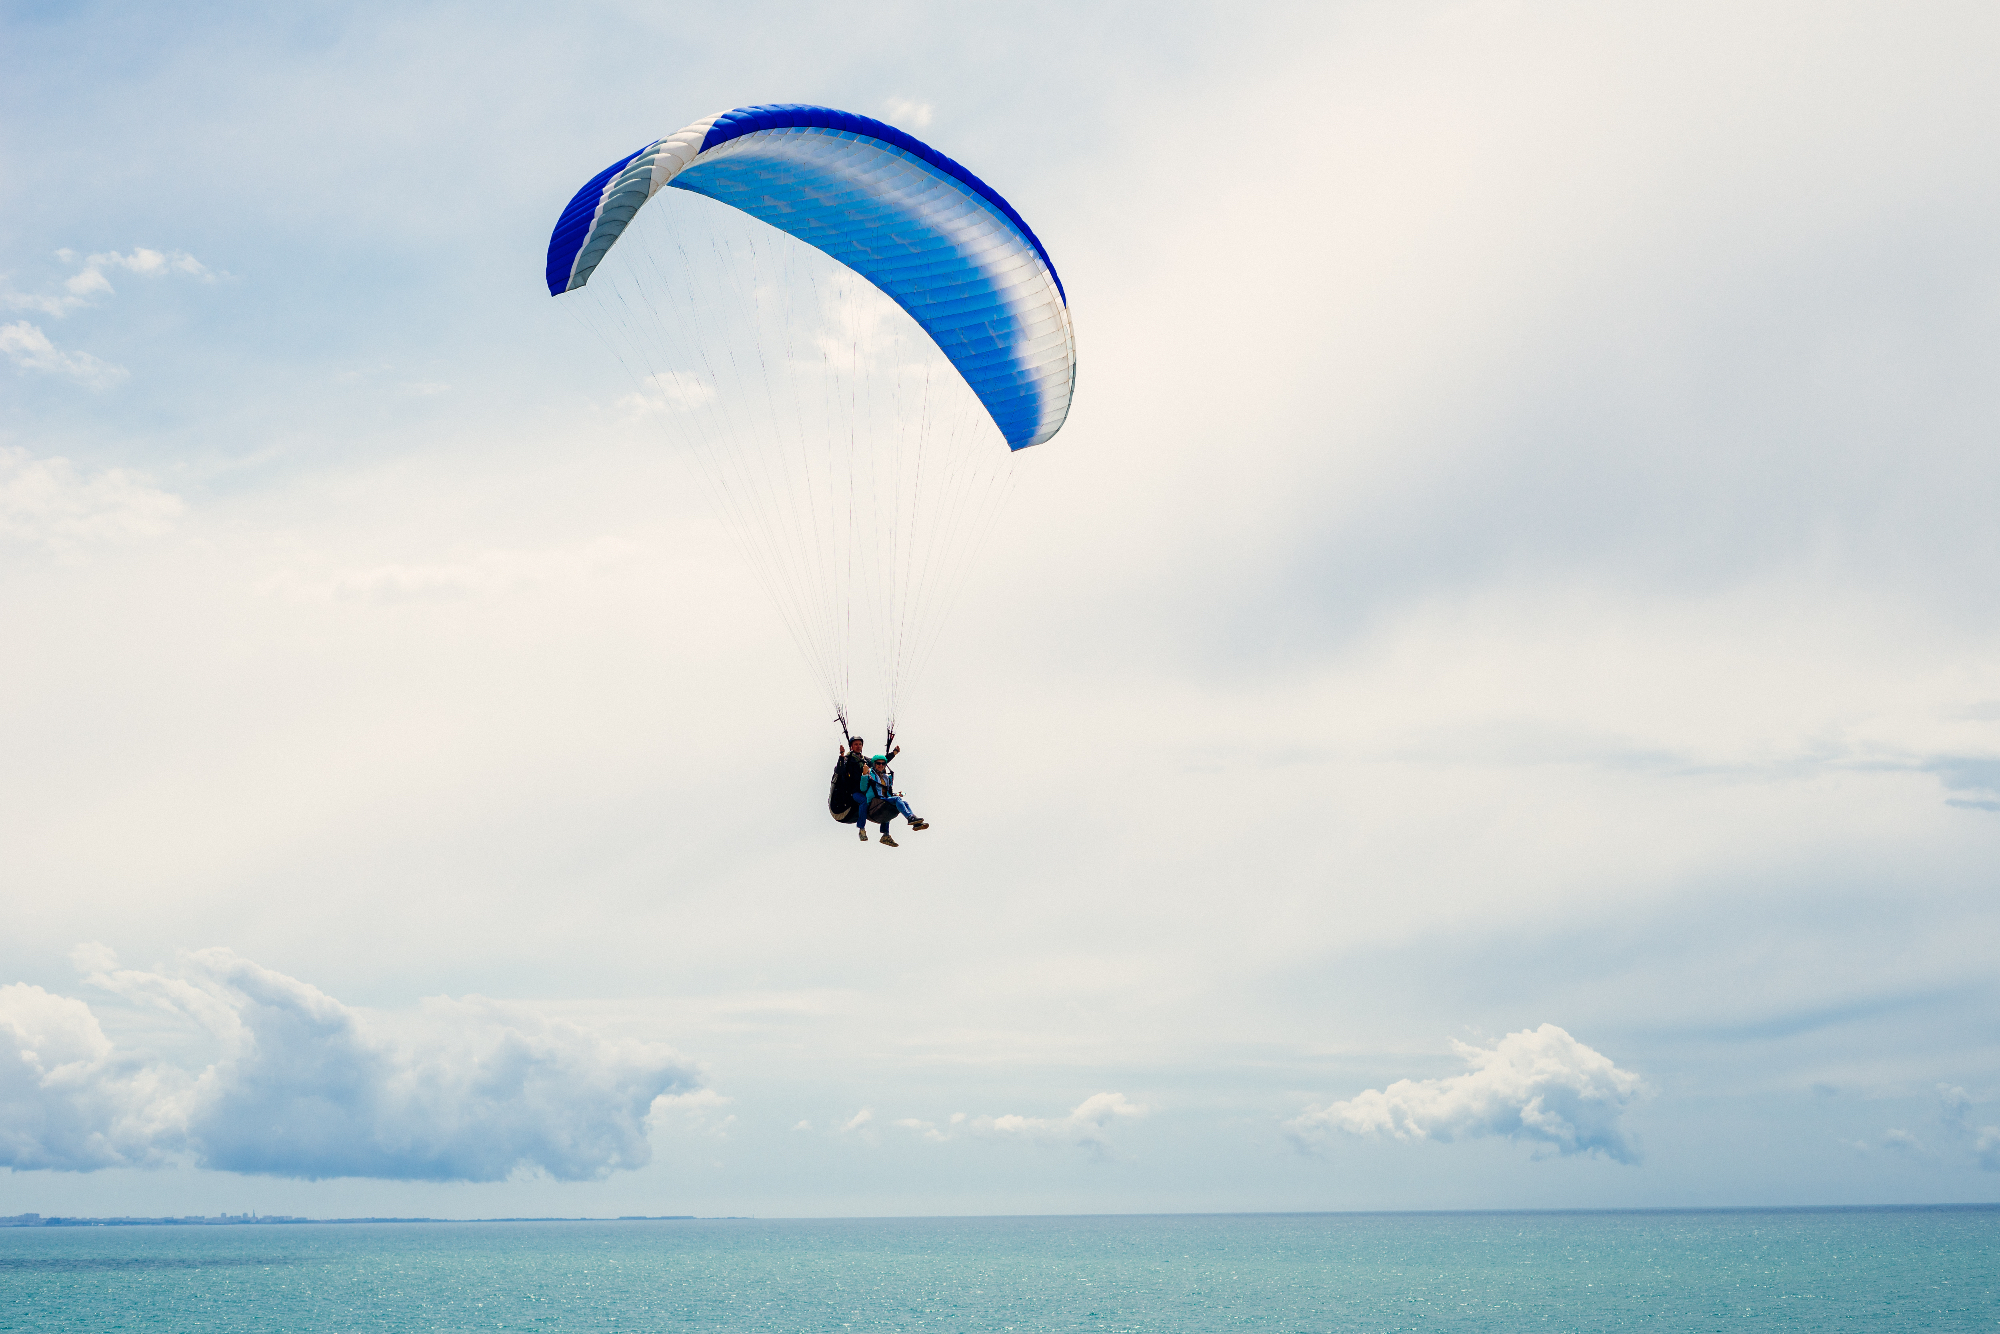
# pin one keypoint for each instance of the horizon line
(30, 1220)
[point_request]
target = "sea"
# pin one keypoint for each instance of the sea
(1879, 1270)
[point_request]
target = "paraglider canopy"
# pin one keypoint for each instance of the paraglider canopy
(936, 239)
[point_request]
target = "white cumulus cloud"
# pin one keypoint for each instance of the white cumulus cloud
(30, 349)
(149, 263)
(68, 1099)
(81, 287)
(1086, 1126)
(703, 1110)
(929, 1129)
(51, 502)
(1539, 1085)
(304, 1086)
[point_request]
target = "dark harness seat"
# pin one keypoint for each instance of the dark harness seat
(842, 809)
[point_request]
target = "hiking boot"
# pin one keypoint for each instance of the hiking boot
(888, 842)
(864, 835)
(920, 824)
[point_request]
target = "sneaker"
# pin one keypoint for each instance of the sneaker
(864, 835)
(920, 824)
(888, 842)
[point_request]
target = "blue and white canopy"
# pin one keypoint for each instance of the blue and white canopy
(936, 239)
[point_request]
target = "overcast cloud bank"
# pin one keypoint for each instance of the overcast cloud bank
(1540, 1085)
(304, 1086)
(1554, 543)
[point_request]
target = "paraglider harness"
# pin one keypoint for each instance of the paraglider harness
(848, 776)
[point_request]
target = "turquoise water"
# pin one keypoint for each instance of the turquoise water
(1885, 1271)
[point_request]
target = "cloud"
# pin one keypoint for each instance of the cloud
(30, 349)
(1901, 1140)
(1085, 1126)
(1540, 1085)
(858, 1120)
(702, 1110)
(68, 1100)
(149, 263)
(83, 286)
(929, 1129)
(903, 111)
(90, 282)
(50, 502)
(304, 1086)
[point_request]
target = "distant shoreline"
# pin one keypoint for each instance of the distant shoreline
(248, 1220)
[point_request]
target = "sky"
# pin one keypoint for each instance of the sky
(1491, 701)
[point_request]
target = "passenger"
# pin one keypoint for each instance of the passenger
(882, 787)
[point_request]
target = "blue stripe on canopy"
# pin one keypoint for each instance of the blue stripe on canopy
(788, 115)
